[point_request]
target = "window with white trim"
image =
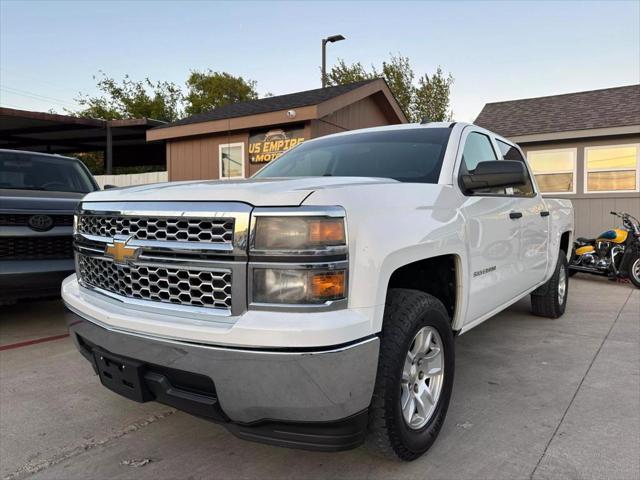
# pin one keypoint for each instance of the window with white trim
(612, 168)
(231, 163)
(555, 170)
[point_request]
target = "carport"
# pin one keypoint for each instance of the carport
(122, 141)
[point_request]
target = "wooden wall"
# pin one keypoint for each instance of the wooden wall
(197, 158)
(361, 114)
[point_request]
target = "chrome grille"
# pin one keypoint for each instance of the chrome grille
(178, 285)
(181, 229)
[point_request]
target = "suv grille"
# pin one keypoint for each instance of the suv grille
(33, 248)
(201, 288)
(22, 219)
(182, 229)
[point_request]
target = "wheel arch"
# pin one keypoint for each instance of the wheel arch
(440, 276)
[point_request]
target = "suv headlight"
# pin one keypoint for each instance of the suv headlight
(298, 258)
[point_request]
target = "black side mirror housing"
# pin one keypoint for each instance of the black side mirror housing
(495, 173)
(107, 187)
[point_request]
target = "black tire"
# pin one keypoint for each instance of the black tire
(634, 274)
(406, 312)
(571, 260)
(545, 300)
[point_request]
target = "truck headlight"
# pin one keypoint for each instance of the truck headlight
(298, 234)
(298, 286)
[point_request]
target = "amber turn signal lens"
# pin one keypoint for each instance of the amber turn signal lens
(327, 231)
(328, 285)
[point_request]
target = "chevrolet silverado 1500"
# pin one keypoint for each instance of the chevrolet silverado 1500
(315, 305)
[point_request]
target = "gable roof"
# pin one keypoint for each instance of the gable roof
(595, 109)
(271, 104)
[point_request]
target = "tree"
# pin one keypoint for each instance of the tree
(430, 98)
(209, 90)
(341, 73)
(132, 99)
(399, 75)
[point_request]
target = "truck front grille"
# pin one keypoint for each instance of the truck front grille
(178, 285)
(181, 229)
(186, 258)
(35, 248)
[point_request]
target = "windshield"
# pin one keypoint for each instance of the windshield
(38, 172)
(411, 155)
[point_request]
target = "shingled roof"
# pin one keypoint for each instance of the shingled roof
(609, 107)
(270, 104)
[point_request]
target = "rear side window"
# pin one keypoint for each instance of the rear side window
(509, 152)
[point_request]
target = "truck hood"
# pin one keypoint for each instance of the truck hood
(40, 200)
(259, 192)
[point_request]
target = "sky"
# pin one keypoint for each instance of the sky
(51, 50)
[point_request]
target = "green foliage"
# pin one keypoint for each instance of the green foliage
(132, 99)
(430, 98)
(209, 90)
(93, 160)
(399, 76)
(341, 73)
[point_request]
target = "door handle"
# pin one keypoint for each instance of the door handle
(544, 213)
(515, 215)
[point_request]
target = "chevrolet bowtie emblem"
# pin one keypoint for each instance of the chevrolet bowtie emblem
(120, 252)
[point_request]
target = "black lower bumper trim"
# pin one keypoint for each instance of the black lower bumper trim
(319, 436)
(195, 394)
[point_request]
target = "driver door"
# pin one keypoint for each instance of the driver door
(492, 236)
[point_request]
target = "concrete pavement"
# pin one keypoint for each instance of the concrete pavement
(533, 398)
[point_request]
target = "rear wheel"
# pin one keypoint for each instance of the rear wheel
(415, 375)
(550, 299)
(634, 271)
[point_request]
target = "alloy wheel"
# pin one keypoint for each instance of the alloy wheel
(422, 378)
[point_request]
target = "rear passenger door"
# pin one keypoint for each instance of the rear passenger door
(534, 223)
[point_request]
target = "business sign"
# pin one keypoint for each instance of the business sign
(268, 145)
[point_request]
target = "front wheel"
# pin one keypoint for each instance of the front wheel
(634, 271)
(415, 375)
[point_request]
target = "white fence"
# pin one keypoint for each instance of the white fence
(131, 179)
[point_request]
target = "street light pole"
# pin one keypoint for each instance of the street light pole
(331, 39)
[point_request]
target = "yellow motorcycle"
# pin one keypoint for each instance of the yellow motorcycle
(614, 253)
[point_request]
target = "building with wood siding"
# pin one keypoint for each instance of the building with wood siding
(237, 140)
(583, 146)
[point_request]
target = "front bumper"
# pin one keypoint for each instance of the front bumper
(33, 278)
(307, 399)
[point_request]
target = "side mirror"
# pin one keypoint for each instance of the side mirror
(495, 173)
(107, 187)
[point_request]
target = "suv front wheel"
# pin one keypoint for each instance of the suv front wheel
(415, 375)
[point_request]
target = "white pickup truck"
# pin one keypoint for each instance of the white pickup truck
(316, 304)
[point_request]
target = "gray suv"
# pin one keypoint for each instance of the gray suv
(38, 196)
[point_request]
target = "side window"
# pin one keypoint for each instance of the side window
(477, 149)
(510, 152)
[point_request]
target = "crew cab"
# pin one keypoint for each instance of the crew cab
(38, 195)
(315, 305)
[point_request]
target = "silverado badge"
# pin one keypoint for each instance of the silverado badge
(119, 251)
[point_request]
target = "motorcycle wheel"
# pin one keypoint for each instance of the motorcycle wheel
(634, 271)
